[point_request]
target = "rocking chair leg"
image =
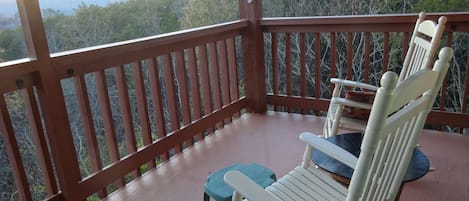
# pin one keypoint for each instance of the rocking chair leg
(399, 192)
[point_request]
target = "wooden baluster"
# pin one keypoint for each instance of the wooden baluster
(194, 82)
(349, 55)
(444, 84)
(367, 57)
(275, 67)
(386, 52)
(405, 45)
(124, 104)
(303, 67)
(233, 71)
(317, 67)
(88, 127)
(205, 82)
(11, 147)
(183, 90)
(466, 91)
(40, 142)
(109, 130)
(288, 66)
(333, 59)
(156, 96)
(171, 95)
(142, 107)
(224, 77)
(215, 79)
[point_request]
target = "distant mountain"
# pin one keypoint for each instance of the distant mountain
(8, 22)
(8, 8)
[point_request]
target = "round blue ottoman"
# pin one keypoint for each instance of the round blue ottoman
(216, 188)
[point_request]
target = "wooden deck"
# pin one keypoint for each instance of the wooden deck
(272, 140)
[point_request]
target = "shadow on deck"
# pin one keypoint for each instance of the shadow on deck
(272, 140)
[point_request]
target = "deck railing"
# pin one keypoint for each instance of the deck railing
(302, 54)
(134, 104)
(185, 85)
(141, 101)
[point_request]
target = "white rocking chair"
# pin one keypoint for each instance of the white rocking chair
(423, 45)
(397, 118)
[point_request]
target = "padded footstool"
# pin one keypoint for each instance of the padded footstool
(216, 188)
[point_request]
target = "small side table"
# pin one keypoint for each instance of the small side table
(418, 167)
(216, 188)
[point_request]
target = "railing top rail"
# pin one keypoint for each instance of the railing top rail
(453, 17)
(91, 59)
(92, 54)
(19, 66)
(163, 38)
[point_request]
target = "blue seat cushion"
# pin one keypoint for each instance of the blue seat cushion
(216, 188)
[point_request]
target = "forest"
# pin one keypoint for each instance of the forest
(92, 25)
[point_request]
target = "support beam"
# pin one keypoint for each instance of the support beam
(253, 55)
(52, 101)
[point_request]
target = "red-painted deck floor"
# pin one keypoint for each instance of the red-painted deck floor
(272, 140)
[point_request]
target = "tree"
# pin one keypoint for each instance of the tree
(205, 12)
(441, 5)
(12, 43)
(1, 52)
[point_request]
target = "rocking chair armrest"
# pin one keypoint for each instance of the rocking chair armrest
(246, 187)
(350, 83)
(329, 149)
(351, 103)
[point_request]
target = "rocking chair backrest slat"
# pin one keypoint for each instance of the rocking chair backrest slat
(418, 58)
(397, 118)
(408, 91)
(427, 28)
(423, 45)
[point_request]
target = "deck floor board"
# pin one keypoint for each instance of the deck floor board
(272, 140)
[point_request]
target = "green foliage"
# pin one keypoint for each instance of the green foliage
(1, 52)
(12, 44)
(205, 12)
(93, 198)
(55, 25)
(397, 6)
(168, 12)
(296, 8)
(28, 152)
(441, 5)
(288, 8)
(94, 25)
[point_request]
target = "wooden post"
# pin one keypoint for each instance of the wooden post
(52, 101)
(253, 56)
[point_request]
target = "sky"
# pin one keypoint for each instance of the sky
(9, 7)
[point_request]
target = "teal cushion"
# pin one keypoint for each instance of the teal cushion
(216, 188)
